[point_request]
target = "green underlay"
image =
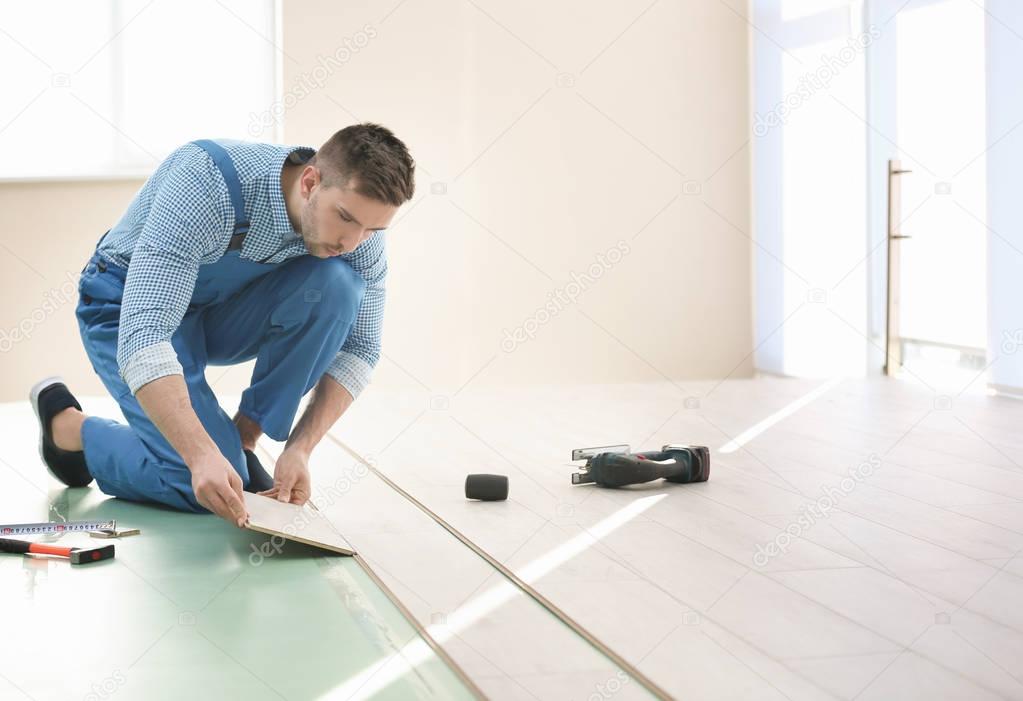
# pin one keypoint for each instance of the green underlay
(191, 609)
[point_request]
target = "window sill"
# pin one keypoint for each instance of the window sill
(84, 178)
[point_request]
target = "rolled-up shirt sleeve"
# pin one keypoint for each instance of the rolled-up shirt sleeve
(353, 366)
(185, 222)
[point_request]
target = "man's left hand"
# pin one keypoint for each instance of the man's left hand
(291, 478)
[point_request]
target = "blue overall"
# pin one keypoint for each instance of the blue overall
(292, 317)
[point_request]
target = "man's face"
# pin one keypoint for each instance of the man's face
(336, 220)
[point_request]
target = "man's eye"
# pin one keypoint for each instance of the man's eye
(347, 219)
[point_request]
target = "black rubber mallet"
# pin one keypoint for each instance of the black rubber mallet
(486, 487)
(77, 556)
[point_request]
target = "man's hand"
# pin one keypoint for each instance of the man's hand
(218, 488)
(291, 477)
(291, 474)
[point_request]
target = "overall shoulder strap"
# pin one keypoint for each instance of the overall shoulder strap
(234, 188)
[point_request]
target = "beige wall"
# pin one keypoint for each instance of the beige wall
(48, 232)
(544, 136)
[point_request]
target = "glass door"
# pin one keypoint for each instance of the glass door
(926, 91)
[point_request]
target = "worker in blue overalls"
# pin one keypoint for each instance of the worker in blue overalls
(231, 251)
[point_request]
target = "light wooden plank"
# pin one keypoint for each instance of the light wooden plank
(302, 524)
(918, 516)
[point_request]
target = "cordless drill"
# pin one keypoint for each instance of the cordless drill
(618, 466)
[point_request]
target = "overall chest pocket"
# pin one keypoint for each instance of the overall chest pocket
(219, 281)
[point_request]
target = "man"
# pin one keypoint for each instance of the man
(230, 251)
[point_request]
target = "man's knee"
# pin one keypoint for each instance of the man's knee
(329, 288)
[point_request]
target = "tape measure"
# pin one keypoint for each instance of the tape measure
(56, 527)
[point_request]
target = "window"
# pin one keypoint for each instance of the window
(809, 141)
(109, 88)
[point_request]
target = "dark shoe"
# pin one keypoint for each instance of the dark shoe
(259, 480)
(50, 397)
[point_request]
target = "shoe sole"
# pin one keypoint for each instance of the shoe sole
(33, 397)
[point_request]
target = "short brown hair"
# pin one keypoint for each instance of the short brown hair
(375, 157)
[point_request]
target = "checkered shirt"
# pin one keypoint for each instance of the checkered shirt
(182, 218)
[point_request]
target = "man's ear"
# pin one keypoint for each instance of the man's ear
(310, 179)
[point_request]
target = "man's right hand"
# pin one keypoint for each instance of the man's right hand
(218, 488)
